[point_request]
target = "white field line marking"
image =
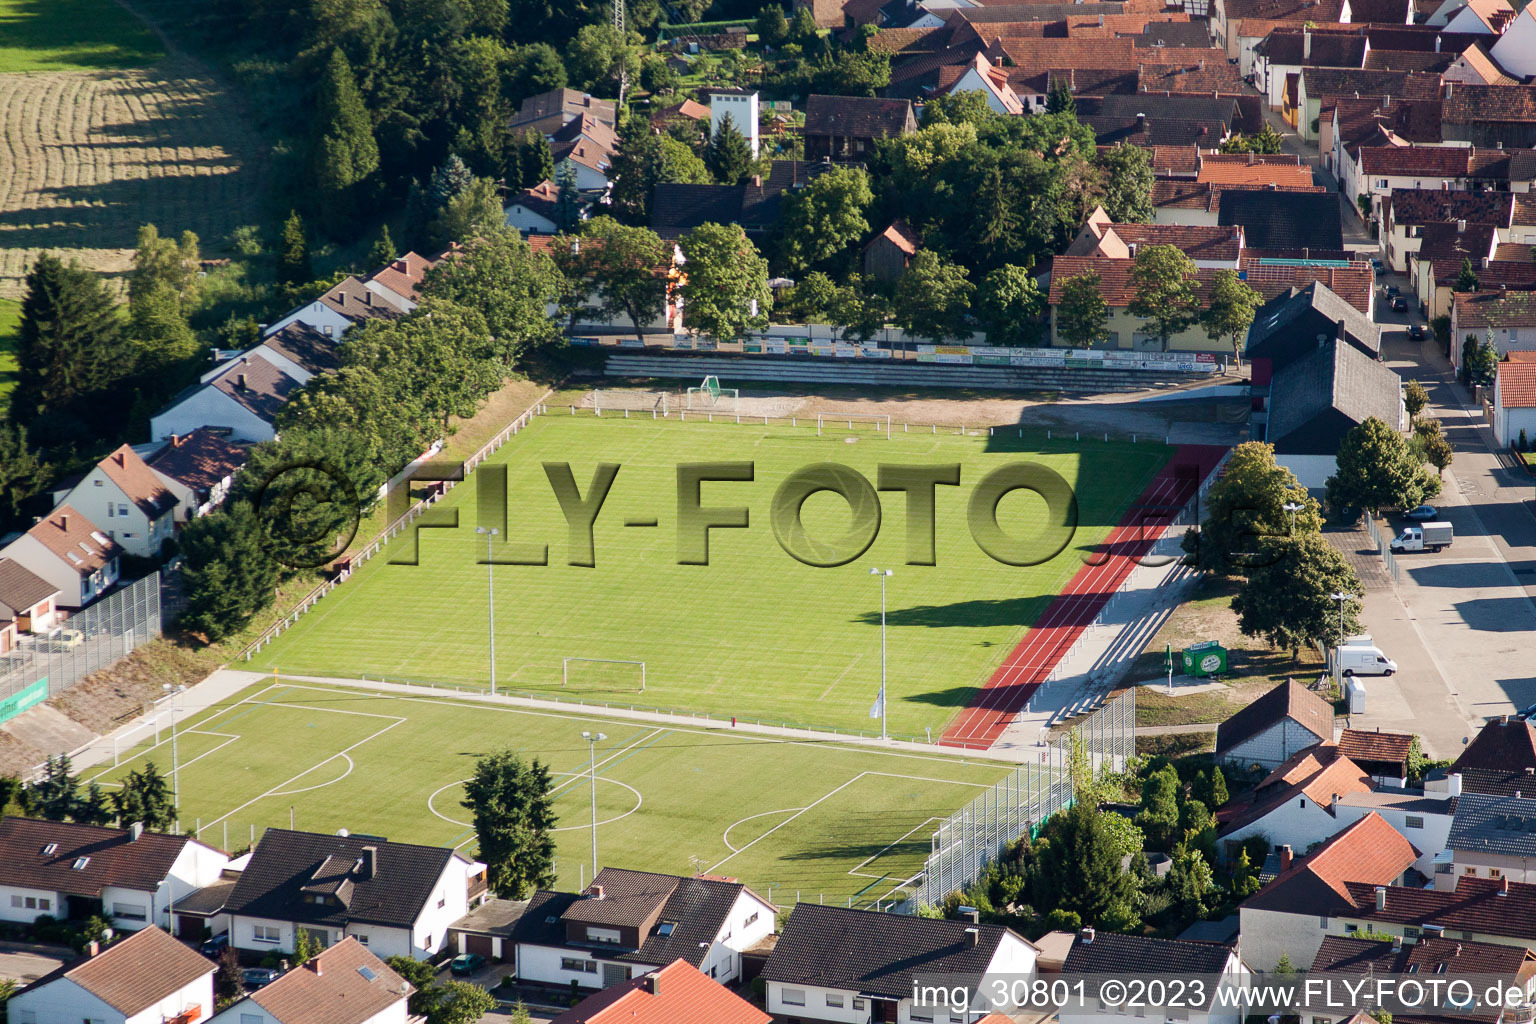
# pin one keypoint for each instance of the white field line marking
(725, 837)
(306, 789)
(846, 669)
(865, 874)
(228, 739)
(577, 776)
(276, 789)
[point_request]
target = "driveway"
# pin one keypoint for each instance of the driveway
(26, 967)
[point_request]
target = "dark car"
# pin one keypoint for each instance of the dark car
(1417, 333)
(257, 977)
(467, 963)
(1422, 513)
(1399, 305)
(1378, 266)
(1392, 290)
(214, 948)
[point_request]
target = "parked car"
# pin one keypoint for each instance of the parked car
(1399, 305)
(214, 948)
(1378, 266)
(467, 963)
(61, 639)
(1417, 333)
(258, 977)
(1431, 536)
(1365, 660)
(1422, 513)
(1392, 291)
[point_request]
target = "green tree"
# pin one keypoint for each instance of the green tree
(1415, 398)
(933, 297)
(531, 161)
(1479, 361)
(1159, 814)
(304, 946)
(1231, 309)
(449, 179)
(965, 107)
(229, 981)
(505, 281)
(1466, 277)
(56, 796)
(1378, 468)
(22, 475)
(520, 1014)
(472, 213)
(293, 252)
(1010, 304)
(160, 262)
(327, 476)
(1216, 796)
(344, 154)
(657, 76)
(422, 977)
(1127, 176)
(228, 574)
(824, 221)
(1190, 882)
(95, 807)
(725, 287)
(567, 199)
(162, 338)
(71, 353)
(1163, 282)
(1075, 867)
(1245, 879)
(383, 252)
(514, 819)
(811, 297)
(1287, 600)
(1082, 315)
(1246, 507)
(145, 796)
(1059, 99)
(858, 310)
(459, 1002)
(625, 267)
(601, 54)
(530, 70)
(1432, 446)
(771, 25)
(802, 27)
(645, 160)
(729, 155)
(1284, 965)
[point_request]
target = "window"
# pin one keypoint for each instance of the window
(80, 863)
(924, 1015)
(1302, 802)
(792, 996)
(1410, 932)
(251, 1018)
(96, 483)
(665, 928)
(360, 937)
(608, 935)
(570, 963)
(15, 901)
(130, 911)
(1350, 929)
(1469, 870)
(858, 1004)
(122, 510)
(442, 902)
(111, 510)
(1495, 873)
(1414, 821)
(750, 921)
(834, 1000)
(265, 933)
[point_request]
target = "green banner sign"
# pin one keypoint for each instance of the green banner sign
(18, 702)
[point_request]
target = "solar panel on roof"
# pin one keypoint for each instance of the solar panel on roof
(1281, 261)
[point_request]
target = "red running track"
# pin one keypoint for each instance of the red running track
(1085, 595)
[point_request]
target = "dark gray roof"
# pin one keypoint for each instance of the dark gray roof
(697, 909)
(1274, 219)
(493, 917)
(305, 346)
(678, 208)
(1109, 129)
(1186, 108)
(207, 901)
(1316, 400)
(1494, 824)
(874, 953)
(43, 855)
(285, 863)
(20, 588)
(1286, 327)
(1174, 34)
(1110, 954)
(857, 116)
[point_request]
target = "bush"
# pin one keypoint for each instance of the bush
(759, 988)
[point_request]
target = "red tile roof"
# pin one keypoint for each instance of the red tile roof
(136, 480)
(1437, 161)
(1361, 745)
(1475, 906)
(1369, 852)
(75, 539)
(1329, 779)
(1257, 174)
(1517, 385)
(137, 972)
(405, 273)
(675, 994)
(1478, 311)
(333, 988)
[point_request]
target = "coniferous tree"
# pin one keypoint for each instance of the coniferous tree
(22, 474)
(514, 819)
(293, 254)
(1466, 278)
(567, 199)
(529, 160)
(772, 27)
(96, 808)
(56, 796)
(1059, 100)
(452, 178)
(145, 797)
(383, 251)
(345, 154)
(229, 573)
(729, 155)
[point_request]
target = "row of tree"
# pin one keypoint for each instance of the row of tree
(144, 796)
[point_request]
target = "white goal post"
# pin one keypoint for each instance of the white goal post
(624, 400)
(709, 394)
(565, 668)
(834, 421)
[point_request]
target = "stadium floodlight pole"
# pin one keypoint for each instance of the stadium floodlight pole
(1293, 507)
(884, 575)
(171, 695)
(592, 739)
(490, 588)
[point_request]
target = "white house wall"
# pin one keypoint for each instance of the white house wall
(1282, 739)
(74, 590)
(816, 1007)
(528, 222)
(115, 514)
(317, 315)
(23, 914)
(1429, 839)
(1298, 823)
(210, 407)
(430, 933)
(542, 964)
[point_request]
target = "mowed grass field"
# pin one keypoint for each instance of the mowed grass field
(73, 35)
(755, 633)
(819, 819)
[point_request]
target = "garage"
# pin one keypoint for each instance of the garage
(481, 944)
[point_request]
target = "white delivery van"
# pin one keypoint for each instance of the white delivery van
(1429, 536)
(1364, 660)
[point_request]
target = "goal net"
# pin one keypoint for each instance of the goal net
(602, 675)
(853, 423)
(711, 397)
(628, 400)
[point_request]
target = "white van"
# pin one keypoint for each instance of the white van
(1365, 660)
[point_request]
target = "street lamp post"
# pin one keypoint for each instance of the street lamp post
(593, 738)
(490, 588)
(884, 575)
(1293, 507)
(1338, 657)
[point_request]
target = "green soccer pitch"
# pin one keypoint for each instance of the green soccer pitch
(823, 820)
(754, 634)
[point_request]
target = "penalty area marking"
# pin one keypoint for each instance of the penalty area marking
(725, 837)
(322, 785)
(639, 799)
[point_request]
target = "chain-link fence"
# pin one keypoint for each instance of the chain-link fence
(89, 640)
(978, 833)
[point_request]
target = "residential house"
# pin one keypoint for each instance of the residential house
(199, 468)
(1287, 719)
(1318, 399)
(1176, 201)
(1212, 248)
(1350, 957)
(398, 899)
(678, 208)
(128, 499)
(1492, 837)
(399, 282)
(1381, 171)
(1472, 17)
(668, 995)
(1515, 51)
(1514, 407)
(550, 111)
(845, 128)
(1251, 170)
(1279, 57)
(147, 978)
(1315, 84)
(1296, 805)
(70, 554)
(991, 80)
(1408, 212)
(1125, 331)
(1475, 66)
(584, 149)
(344, 984)
(1507, 317)
(1348, 124)
(1293, 325)
(344, 306)
(1106, 953)
(629, 922)
(128, 876)
(1421, 816)
(298, 350)
(1289, 219)
(1291, 915)
(836, 964)
(243, 397)
(27, 602)
(1383, 755)
(1488, 116)
(1446, 251)
(887, 254)
(1227, 16)
(1501, 759)
(535, 210)
(1477, 910)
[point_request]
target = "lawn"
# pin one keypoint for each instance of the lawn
(73, 35)
(814, 818)
(755, 633)
(10, 321)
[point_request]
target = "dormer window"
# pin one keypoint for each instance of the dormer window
(665, 928)
(80, 863)
(50, 849)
